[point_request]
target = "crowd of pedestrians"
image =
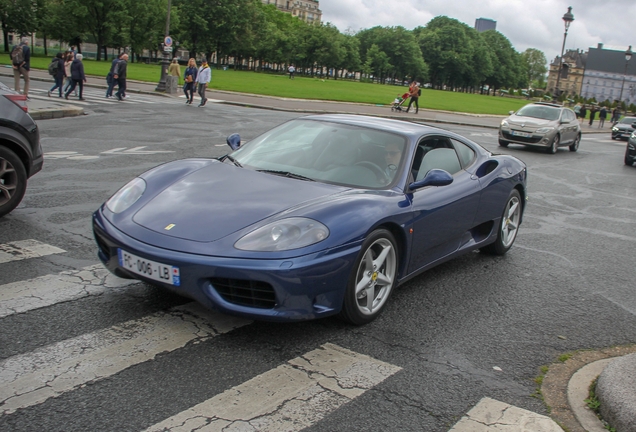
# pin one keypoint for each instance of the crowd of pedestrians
(67, 71)
(582, 111)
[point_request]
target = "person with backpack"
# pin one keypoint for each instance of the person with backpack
(56, 70)
(414, 93)
(119, 75)
(21, 62)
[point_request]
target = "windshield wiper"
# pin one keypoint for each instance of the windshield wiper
(234, 161)
(287, 174)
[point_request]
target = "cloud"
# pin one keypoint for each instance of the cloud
(527, 24)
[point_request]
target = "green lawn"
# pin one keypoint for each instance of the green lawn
(312, 88)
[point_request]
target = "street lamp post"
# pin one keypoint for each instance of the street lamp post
(628, 56)
(165, 61)
(567, 19)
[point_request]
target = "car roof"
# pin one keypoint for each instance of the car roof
(389, 125)
(547, 104)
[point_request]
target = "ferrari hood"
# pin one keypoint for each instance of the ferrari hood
(220, 199)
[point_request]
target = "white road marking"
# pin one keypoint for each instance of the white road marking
(492, 415)
(23, 296)
(25, 249)
(290, 397)
(32, 378)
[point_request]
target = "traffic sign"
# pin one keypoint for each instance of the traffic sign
(168, 41)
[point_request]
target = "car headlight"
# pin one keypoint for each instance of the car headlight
(544, 130)
(126, 196)
(504, 124)
(614, 129)
(285, 234)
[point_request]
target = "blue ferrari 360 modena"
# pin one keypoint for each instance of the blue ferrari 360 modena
(321, 215)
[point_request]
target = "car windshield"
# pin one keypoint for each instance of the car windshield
(540, 112)
(324, 151)
(628, 120)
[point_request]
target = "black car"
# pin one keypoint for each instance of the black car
(624, 128)
(20, 150)
(630, 151)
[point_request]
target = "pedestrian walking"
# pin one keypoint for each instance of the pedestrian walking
(577, 110)
(174, 69)
(190, 79)
(292, 71)
(68, 61)
(203, 78)
(57, 68)
(616, 115)
(21, 62)
(414, 94)
(583, 112)
(78, 76)
(593, 112)
(110, 77)
(119, 74)
(602, 115)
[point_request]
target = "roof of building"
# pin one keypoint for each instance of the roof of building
(613, 61)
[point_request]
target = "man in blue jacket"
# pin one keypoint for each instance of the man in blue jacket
(21, 61)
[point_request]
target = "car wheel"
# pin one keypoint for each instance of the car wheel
(555, 144)
(372, 279)
(508, 227)
(13, 181)
(575, 145)
(628, 160)
(503, 143)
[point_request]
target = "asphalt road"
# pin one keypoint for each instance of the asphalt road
(474, 327)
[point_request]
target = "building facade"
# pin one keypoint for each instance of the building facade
(608, 76)
(483, 24)
(306, 10)
(572, 73)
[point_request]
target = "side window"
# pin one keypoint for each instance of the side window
(466, 154)
(441, 156)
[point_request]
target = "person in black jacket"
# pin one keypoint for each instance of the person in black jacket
(59, 74)
(120, 75)
(110, 80)
(78, 76)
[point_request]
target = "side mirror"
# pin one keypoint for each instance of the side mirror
(234, 141)
(511, 112)
(435, 177)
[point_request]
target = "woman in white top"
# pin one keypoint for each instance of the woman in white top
(203, 78)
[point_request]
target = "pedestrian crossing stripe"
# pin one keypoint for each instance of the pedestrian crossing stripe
(25, 249)
(32, 378)
(290, 397)
(98, 96)
(23, 296)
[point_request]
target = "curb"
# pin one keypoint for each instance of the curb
(47, 114)
(564, 389)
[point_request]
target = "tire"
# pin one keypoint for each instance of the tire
(628, 161)
(508, 227)
(575, 145)
(373, 277)
(13, 180)
(554, 145)
(503, 143)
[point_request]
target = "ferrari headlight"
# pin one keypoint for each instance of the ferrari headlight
(126, 196)
(545, 130)
(285, 234)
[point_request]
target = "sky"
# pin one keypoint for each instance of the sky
(526, 23)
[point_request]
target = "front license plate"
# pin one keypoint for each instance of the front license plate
(151, 269)
(521, 134)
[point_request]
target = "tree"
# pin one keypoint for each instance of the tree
(17, 16)
(507, 70)
(535, 63)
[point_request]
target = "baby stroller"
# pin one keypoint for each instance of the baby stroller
(398, 102)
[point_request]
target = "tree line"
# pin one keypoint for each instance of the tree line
(445, 52)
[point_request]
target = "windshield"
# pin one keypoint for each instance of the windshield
(540, 112)
(328, 152)
(628, 120)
